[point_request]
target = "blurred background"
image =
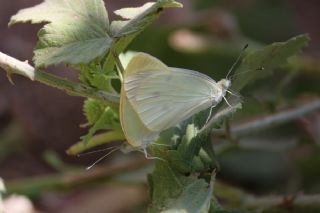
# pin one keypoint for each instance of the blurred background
(38, 123)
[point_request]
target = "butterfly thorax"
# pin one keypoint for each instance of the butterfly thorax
(220, 91)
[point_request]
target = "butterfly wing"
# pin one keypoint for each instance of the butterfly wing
(135, 131)
(164, 98)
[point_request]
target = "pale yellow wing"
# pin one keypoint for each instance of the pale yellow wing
(134, 130)
(162, 97)
(143, 62)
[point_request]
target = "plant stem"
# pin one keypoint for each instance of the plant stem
(118, 62)
(271, 120)
(73, 178)
(14, 66)
(97, 140)
(237, 198)
(267, 202)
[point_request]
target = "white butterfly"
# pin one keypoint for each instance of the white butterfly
(162, 96)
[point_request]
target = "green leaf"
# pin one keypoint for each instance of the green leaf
(195, 197)
(139, 17)
(268, 59)
(172, 191)
(165, 184)
(77, 31)
(124, 31)
(106, 120)
(176, 161)
(94, 75)
(187, 148)
(193, 152)
(182, 181)
(93, 110)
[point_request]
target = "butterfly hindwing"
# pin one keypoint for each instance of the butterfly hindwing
(137, 134)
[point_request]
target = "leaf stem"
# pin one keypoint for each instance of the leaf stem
(118, 63)
(97, 140)
(14, 66)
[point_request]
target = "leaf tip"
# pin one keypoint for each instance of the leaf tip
(12, 21)
(172, 4)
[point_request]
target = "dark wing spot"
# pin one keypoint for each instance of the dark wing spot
(156, 94)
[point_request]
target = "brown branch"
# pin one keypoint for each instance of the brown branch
(234, 197)
(271, 120)
(73, 178)
(14, 66)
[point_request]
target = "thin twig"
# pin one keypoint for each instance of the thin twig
(238, 198)
(282, 202)
(14, 66)
(74, 178)
(271, 120)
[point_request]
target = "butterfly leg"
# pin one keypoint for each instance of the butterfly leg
(209, 116)
(149, 157)
(227, 101)
(228, 91)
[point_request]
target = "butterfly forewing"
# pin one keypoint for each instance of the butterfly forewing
(164, 99)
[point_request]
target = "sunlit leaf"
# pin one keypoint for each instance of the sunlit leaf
(139, 17)
(76, 32)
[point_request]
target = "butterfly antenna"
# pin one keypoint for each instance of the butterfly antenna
(237, 60)
(258, 69)
(96, 151)
(103, 157)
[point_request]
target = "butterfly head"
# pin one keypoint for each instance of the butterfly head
(224, 84)
(222, 87)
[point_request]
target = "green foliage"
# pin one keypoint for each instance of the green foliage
(105, 119)
(140, 17)
(264, 61)
(195, 197)
(77, 31)
(193, 158)
(256, 65)
(94, 75)
(182, 180)
(137, 19)
(93, 110)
